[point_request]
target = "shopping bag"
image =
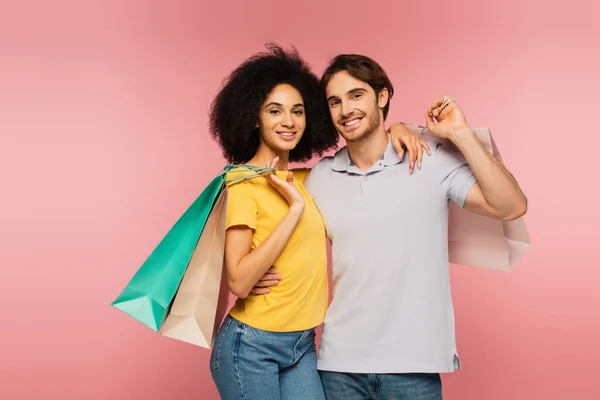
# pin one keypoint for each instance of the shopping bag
(150, 292)
(202, 299)
(476, 240)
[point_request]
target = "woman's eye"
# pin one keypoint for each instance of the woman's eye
(298, 112)
(274, 111)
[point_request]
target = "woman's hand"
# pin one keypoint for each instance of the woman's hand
(287, 188)
(401, 135)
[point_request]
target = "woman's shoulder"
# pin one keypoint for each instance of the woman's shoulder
(300, 174)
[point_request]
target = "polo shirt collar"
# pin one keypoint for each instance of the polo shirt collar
(343, 163)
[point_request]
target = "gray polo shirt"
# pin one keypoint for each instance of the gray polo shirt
(392, 308)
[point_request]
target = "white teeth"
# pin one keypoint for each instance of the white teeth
(287, 133)
(353, 122)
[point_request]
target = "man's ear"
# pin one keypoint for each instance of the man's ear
(383, 97)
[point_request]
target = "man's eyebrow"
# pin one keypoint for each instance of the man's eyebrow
(351, 91)
(356, 90)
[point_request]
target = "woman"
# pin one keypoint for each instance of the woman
(272, 108)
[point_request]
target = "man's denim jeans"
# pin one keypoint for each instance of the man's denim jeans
(344, 386)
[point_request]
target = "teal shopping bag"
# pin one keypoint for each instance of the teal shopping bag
(150, 292)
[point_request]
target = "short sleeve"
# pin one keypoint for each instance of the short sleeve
(241, 206)
(300, 175)
(458, 178)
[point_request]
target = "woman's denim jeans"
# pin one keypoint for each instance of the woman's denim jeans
(251, 364)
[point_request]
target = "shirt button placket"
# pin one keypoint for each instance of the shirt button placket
(363, 179)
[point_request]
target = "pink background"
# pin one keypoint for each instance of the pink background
(103, 112)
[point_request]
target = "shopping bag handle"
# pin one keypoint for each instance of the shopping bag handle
(256, 171)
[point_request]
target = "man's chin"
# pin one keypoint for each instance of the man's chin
(352, 137)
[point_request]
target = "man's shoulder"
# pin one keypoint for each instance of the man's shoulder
(324, 164)
(327, 163)
(320, 173)
(445, 152)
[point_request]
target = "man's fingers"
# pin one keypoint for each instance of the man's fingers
(430, 122)
(270, 277)
(439, 102)
(260, 290)
(439, 106)
(267, 283)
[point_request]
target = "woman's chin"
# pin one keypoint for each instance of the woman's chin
(285, 145)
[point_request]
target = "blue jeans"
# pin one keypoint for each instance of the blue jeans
(251, 364)
(345, 386)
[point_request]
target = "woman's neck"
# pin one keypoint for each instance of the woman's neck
(265, 154)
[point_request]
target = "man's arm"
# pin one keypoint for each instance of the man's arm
(496, 193)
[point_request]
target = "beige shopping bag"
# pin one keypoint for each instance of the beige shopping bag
(479, 241)
(202, 298)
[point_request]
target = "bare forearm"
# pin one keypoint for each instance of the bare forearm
(243, 276)
(498, 186)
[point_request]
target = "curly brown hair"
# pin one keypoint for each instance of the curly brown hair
(235, 110)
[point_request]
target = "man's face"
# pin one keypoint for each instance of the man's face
(355, 108)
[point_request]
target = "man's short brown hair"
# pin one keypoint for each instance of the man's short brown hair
(362, 68)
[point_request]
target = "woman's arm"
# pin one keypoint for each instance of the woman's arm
(244, 266)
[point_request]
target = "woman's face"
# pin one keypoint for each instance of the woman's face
(282, 118)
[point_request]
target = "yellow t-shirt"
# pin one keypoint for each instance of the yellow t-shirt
(300, 300)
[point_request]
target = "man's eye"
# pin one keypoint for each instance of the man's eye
(356, 96)
(334, 103)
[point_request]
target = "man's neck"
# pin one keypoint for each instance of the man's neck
(367, 152)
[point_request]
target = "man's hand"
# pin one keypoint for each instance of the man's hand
(269, 279)
(496, 193)
(401, 135)
(444, 118)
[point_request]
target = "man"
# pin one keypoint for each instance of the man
(389, 331)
